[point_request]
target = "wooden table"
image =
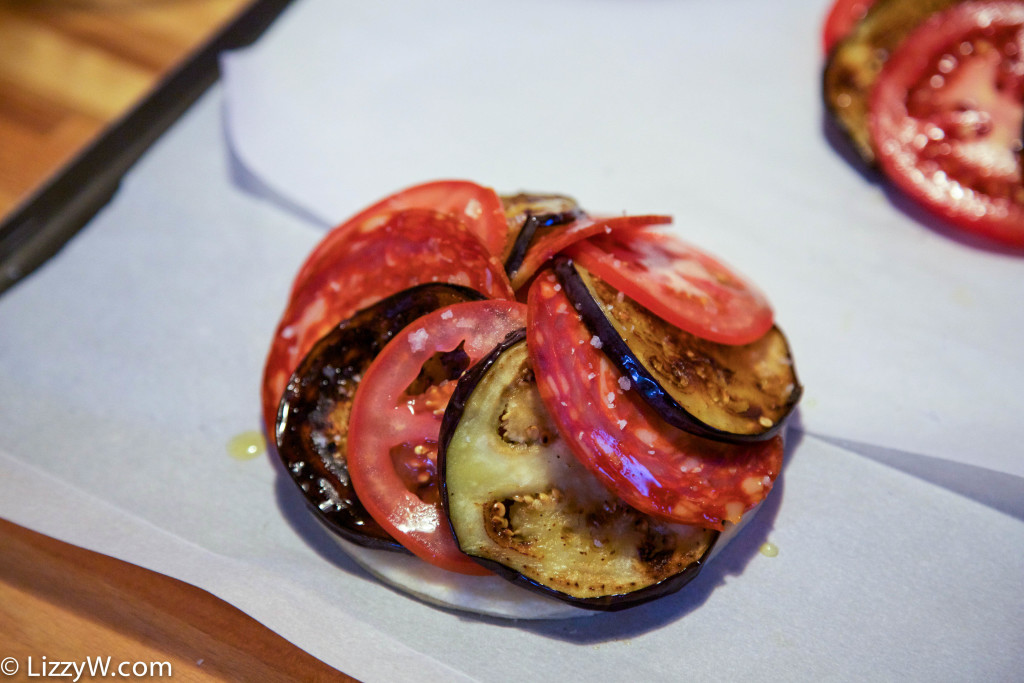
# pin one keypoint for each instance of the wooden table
(69, 69)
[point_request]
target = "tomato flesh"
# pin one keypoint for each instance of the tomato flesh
(479, 207)
(562, 237)
(841, 18)
(372, 263)
(679, 283)
(396, 417)
(946, 118)
(656, 468)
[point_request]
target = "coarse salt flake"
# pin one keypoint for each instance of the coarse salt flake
(474, 209)
(646, 436)
(596, 342)
(418, 340)
(624, 383)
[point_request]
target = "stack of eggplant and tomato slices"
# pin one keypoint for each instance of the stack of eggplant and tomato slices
(508, 387)
(931, 94)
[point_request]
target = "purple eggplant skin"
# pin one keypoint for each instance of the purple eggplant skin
(463, 390)
(312, 422)
(646, 385)
(461, 399)
(541, 211)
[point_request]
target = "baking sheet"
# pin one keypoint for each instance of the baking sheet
(37, 228)
(906, 337)
(131, 360)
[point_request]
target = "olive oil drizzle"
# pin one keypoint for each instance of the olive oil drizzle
(247, 445)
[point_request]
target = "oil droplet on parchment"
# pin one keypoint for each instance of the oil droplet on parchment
(247, 445)
(769, 549)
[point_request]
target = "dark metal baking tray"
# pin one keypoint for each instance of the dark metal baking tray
(42, 224)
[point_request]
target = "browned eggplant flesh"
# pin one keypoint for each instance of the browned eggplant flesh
(855, 62)
(530, 217)
(521, 504)
(732, 393)
(312, 424)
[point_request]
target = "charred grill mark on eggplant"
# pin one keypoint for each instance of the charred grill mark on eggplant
(727, 393)
(527, 509)
(312, 425)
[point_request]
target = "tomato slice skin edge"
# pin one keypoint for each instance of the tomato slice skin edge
(477, 206)
(564, 236)
(656, 468)
(840, 20)
(940, 174)
(680, 283)
(367, 267)
(384, 418)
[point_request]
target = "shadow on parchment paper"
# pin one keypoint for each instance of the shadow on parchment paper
(300, 517)
(250, 183)
(600, 627)
(732, 562)
(998, 490)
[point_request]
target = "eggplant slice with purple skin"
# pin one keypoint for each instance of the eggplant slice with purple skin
(530, 216)
(521, 504)
(855, 62)
(735, 394)
(312, 423)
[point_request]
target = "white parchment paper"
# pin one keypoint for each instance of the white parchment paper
(130, 360)
(906, 336)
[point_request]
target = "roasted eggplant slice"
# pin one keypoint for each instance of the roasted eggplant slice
(530, 216)
(312, 424)
(855, 62)
(522, 505)
(718, 391)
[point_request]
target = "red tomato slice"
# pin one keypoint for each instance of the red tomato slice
(394, 252)
(653, 466)
(563, 236)
(679, 283)
(479, 207)
(394, 427)
(946, 115)
(841, 19)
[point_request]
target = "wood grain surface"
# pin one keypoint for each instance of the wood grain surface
(63, 603)
(68, 69)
